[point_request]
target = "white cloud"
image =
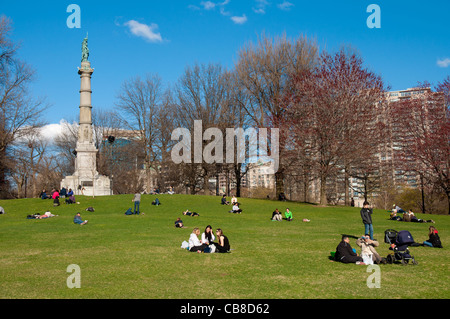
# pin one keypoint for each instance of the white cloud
(286, 5)
(239, 20)
(208, 5)
(148, 32)
(261, 6)
(443, 63)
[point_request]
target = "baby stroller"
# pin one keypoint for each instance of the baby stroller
(399, 241)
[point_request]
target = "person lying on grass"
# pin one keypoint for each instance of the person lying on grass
(188, 213)
(78, 220)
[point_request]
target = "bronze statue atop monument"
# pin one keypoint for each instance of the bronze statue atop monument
(85, 50)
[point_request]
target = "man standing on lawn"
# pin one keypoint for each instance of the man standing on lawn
(366, 215)
(137, 201)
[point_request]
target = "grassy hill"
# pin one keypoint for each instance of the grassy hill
(140, 256)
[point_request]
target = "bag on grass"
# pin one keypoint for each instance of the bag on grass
(129, 212)
(185, 245)
(90, 209)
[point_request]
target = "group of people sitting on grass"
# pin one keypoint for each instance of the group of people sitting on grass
(206, 244)
(407, 216)
(347, 255)
(234, 202)
(68, 195)
(277, 216)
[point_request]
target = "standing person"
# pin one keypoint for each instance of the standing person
(223, 245)
(137, 202)
(366, 215)
(288, 215)
(433, 238)
(208, 236)
(78, 220)
(345, 254)
(194, 243)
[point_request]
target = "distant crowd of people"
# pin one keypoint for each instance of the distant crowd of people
(55, 194)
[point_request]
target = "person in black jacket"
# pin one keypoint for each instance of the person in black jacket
(366, 215)
(434, 240)
(345, 254)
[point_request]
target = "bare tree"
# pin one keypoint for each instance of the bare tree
(19, 112)
(202, 94)
(264, 70)
(140, 102)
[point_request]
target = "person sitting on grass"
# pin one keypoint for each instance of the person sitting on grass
(194, 243)
(276, 215)
(179, 223)
(345, 254)
(78, 220)
(223, 245)
(208, 236)
(433, 238)
(288, 215)
(394, 216)
(188, 213)
(236, 208)
(224, 200)
(368, 248)
(70, 199)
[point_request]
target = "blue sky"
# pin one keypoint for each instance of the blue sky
(130, 38)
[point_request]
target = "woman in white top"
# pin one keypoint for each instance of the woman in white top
(236, 209)
(194, 243)
(208, 236)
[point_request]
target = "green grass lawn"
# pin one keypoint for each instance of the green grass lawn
(140, 256)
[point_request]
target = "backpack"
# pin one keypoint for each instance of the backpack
(129, 212)
(90, 209)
